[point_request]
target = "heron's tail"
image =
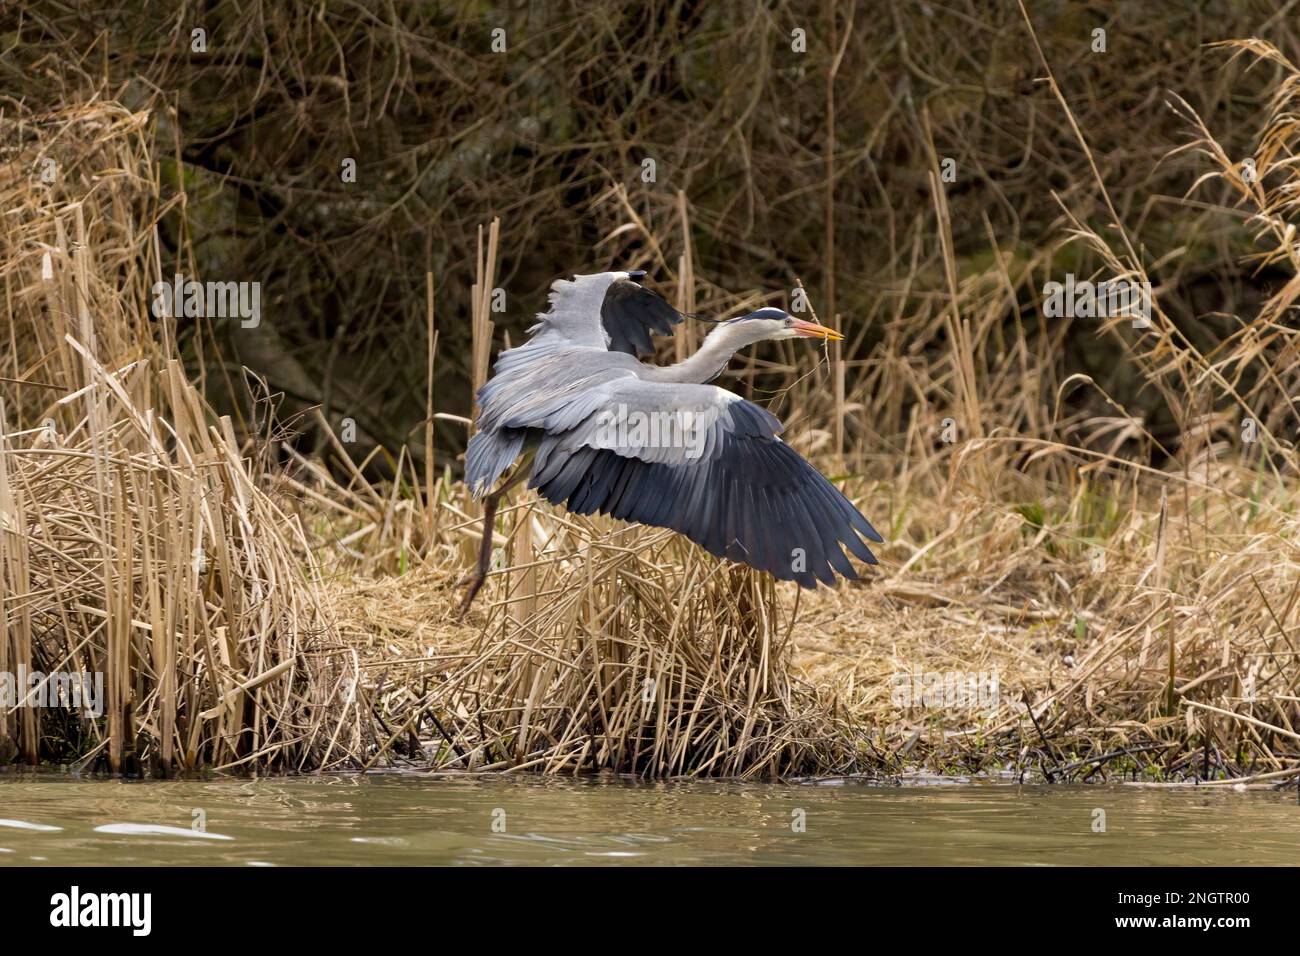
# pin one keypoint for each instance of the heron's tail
(488, 456)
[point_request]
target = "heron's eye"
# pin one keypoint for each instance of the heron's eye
(789, 321)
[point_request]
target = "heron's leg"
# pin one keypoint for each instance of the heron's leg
(484, 553)
(484, 562)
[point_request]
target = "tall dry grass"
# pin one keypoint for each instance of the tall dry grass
(137, 540)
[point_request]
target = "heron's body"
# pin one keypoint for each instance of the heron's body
(709, 464)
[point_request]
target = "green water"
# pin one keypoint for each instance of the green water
(407, 819)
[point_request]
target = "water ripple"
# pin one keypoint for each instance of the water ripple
(155, 829)
(24, 825)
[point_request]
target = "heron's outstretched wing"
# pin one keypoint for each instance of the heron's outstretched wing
(608, 310)
(709, 465)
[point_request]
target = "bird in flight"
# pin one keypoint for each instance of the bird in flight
(601, 431)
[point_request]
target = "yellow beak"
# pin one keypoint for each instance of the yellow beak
(811, 330)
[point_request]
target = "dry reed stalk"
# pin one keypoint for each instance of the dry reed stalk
(431, 337)
(481, 317)
(482, 331)
(685, 339)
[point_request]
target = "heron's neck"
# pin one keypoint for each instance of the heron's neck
(709, 361)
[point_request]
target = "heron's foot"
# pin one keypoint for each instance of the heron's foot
(471, 591)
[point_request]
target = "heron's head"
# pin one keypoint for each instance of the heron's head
(770, 323)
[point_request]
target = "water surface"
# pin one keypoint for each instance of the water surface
(401, 819)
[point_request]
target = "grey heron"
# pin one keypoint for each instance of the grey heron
(601, 431)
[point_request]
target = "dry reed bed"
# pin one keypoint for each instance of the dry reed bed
(137, 542)
(606, 649)
(1146, 613)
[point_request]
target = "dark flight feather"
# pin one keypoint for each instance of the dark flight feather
(754, 500)
(630, 312)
